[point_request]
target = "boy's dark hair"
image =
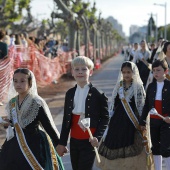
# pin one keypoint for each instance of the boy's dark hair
(126, 64)
(163, 63)
(27, 72)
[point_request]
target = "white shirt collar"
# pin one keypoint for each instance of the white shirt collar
(85, 87)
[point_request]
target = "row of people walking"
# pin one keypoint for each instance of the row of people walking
(153, 68)
(121, 132)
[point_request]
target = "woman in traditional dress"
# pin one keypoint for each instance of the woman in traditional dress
(142, 59)
(159, 55)
(122, 147)
(32, 143)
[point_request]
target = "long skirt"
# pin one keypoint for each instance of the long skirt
(138, 162)
(12, 158)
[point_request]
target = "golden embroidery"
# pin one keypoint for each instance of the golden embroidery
(53, 155)
(136, 124)
(25, 148)
(23, 143)
(145, 140)
(130, 113)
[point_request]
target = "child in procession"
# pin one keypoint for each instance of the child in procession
(122, 144)
(158, 97)
(31, 145)
(83, 101)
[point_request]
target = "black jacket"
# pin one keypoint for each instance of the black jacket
(150, 100)
(96, 107)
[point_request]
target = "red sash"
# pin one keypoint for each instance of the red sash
(158, 107)
(76, 131)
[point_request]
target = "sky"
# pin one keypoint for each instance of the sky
(127, 12)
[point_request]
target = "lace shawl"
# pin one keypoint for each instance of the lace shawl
(136, 89)
(28, 111)
(30, 107)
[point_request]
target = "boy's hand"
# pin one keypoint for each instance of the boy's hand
(94, 142)
(61, 150)
(167, 119)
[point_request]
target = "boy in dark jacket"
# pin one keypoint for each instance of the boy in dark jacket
(158, 97)
(83, 101)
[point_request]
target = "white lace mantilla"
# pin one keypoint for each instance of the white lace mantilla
(30, 115)
(135, 90)
(30, 107)
(28, 111)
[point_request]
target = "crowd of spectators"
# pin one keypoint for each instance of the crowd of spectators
(47, 46)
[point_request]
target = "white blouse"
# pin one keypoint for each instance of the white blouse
(159, 90)
(80, 99)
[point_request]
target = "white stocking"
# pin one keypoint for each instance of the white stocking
(167, 163)
(158, 162)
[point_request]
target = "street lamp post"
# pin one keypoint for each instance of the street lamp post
(165, 29)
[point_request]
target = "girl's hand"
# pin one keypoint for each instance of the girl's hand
(143, 128)
(167, 119)
(7, 123)
(4, 120)
(94, 142)
(61, 150)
